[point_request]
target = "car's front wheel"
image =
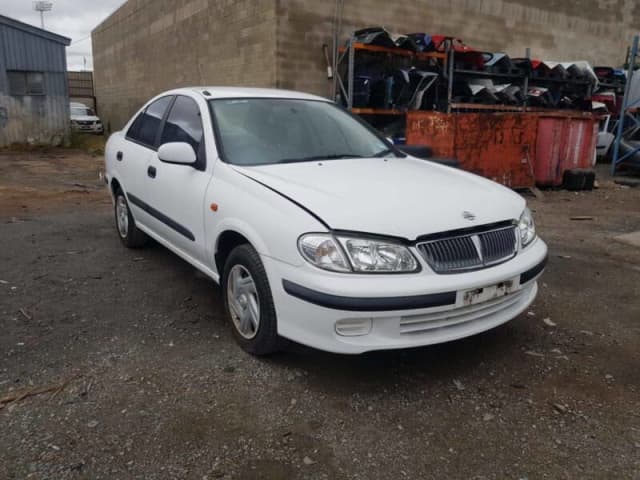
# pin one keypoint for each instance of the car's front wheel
(131, 236)
(249, 303)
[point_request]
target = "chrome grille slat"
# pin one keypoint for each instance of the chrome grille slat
(487, 243)
(498, 244)
(459, 253)
(449, 255)
(456, 253)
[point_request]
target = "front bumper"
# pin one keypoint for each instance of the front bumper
(96, 128)
(352, 313)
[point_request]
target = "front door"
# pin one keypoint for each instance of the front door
(177, 191)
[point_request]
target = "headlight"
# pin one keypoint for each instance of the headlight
(527, 228)
(364, 255)
(322, 251)
(369, 255)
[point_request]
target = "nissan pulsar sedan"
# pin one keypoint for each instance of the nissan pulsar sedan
(318, 229)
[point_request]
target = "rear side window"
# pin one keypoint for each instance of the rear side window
(144, 128)
(183, 123)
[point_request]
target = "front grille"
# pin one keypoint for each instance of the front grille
(470, 251)
(85, 122)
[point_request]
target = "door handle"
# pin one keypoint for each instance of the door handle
(151, 171)
(119, 156)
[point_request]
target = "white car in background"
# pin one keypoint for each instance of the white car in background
(317, 229)
(605, 138)
(84, 119)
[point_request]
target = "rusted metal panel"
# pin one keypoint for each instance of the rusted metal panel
(581, 143)
(499, 146)
(566, 140)
(434, 129)
(550, 150)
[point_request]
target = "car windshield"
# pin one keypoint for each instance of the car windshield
(82, 111)
(263, 131)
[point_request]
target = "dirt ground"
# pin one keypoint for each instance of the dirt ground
(144, 379)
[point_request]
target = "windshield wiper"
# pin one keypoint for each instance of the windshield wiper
(382, 153)
(335, 156)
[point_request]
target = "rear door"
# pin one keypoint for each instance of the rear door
(135, 155)
(177, 191)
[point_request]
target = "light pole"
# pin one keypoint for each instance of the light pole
(42, 6)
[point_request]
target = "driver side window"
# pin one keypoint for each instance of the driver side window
(184, 124)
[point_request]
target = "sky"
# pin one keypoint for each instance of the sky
(71, 18)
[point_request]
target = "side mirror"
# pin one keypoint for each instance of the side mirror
(177, 152)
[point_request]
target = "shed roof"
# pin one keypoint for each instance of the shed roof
(25, 27)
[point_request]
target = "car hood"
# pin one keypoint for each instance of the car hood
(84, 118)
(401, 197)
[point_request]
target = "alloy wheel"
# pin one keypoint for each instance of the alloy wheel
(243, 302)
(122, 216)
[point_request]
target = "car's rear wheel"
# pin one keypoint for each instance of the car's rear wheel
(130, 235)
(249, 303)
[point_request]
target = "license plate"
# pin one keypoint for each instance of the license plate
(484, 294)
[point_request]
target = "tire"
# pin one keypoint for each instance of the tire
(579, 179)
(573, 180)
(130, 235)
(245, 286)
(589, 180)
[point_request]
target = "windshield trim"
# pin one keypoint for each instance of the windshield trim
(220, 146)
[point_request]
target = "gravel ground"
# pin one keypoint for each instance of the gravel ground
(144, 379)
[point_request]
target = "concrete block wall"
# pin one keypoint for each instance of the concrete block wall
(148, 46)
(594, 30)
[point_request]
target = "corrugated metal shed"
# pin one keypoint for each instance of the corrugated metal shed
(36, 117)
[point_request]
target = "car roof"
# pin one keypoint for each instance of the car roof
(244, 92)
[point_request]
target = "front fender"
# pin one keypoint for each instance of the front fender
(270, 222)
(246, 230)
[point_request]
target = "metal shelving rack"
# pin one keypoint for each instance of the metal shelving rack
(625, 111)
(344, 86)
(445, 61)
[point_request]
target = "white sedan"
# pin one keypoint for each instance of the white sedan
(317, 228)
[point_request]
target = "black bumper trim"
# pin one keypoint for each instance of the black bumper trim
(367, 304)
(533, 272)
